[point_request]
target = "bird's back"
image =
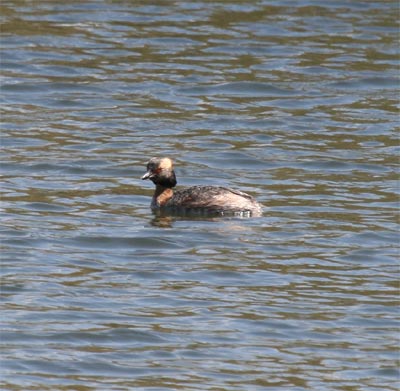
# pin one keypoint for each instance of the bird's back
(215, 199)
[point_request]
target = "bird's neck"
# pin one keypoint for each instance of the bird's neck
(162, 195)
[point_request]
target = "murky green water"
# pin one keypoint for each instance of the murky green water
(293, 102)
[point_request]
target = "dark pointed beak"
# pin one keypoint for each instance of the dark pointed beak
(147, 175)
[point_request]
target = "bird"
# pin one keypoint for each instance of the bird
(197, 200)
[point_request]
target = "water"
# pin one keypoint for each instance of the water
(295, 103)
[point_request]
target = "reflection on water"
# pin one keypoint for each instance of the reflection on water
(296, 104)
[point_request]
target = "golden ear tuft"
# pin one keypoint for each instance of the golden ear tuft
(166, 163)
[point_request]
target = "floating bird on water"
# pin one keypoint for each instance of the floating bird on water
(206, 200)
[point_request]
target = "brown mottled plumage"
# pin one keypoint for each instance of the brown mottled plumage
(214, 200)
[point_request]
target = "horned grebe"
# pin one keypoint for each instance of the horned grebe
(214, 200)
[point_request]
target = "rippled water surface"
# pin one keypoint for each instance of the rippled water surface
(295, 103)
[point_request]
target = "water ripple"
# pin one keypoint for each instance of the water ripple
(296, 104)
